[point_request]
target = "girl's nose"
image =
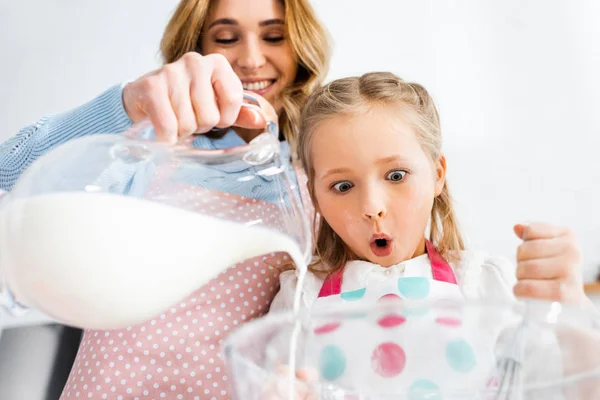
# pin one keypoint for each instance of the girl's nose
(377, 215)
(374, 202)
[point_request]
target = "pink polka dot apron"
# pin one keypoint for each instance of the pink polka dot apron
(176, 355)
(410, 352)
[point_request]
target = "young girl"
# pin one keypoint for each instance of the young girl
(371, 149)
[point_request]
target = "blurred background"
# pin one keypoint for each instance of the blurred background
(516, 84)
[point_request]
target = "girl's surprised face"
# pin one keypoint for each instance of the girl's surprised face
(374, 184)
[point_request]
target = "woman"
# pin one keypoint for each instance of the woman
(213, 50)
(192, 93)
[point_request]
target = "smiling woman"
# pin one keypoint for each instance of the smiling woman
(257, 49)
(277, 48)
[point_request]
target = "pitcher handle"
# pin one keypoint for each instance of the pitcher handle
(140, 130)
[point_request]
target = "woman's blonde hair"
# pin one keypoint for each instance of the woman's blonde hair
(356, 94)
(308, 38)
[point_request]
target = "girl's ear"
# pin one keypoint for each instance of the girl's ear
(440, 169)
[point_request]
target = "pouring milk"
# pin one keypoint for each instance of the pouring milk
(100, 261)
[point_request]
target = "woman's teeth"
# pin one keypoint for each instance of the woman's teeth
(257, 85)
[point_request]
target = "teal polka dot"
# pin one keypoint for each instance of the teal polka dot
(424, 389)
(414, 287)
(460, 356)
(354, 295)
(332, 363)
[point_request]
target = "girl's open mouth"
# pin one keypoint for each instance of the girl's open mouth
(381, 245)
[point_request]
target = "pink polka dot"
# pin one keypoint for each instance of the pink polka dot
(389, 297)
(391, 321)
(327, 328)
(388, 360)
(448, 321)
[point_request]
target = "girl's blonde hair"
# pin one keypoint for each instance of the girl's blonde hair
(356, 94)
(308, 38)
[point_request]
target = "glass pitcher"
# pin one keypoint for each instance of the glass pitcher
(108, 230)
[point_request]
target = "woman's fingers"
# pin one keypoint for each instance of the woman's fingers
(193, 95)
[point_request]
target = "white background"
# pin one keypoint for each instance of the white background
(516, 83)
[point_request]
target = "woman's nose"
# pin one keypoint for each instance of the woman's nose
(252, 56)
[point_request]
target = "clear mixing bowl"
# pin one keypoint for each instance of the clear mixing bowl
(425, 350)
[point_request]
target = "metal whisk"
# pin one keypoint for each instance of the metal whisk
(509, 366)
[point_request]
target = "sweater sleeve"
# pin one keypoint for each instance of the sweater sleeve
(104, 114)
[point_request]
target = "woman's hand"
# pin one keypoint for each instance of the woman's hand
(191, 95)
(549, 264)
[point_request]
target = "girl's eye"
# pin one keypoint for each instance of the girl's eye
(342, 186)
(396, 175)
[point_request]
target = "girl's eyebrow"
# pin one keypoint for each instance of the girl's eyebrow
(383, 160)
(334, 171)
(389, 159)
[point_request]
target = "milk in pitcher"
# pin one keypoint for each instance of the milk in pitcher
(102, 261)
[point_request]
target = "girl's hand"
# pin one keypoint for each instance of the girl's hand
(549, 264)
